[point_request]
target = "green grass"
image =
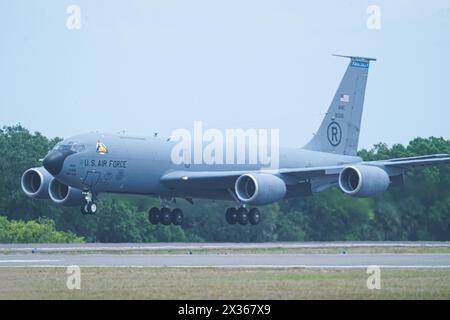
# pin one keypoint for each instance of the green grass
(217, 283)
(276, 250)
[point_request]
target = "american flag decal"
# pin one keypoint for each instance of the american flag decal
(344, 98)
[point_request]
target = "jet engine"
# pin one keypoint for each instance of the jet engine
(363, 180)
(65, 195)
(35, 183)
(259, 188)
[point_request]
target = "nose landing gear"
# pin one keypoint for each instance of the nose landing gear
(90, 207)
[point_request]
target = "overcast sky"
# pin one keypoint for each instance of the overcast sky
(146, 66)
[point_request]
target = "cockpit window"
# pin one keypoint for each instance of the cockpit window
(69, 146)
(78, 147)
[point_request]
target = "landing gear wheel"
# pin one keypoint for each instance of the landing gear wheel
(231, 215)
(92, 207)
(84, 210)
(242, 216)
(177, 217)
(165, 216)
(154, 215)
(89, 208)
(254, 217)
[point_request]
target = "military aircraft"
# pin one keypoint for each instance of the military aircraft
(82, 166)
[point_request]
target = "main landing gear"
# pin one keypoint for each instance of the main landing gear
(165, 216)
(90, 207)
(243, 216)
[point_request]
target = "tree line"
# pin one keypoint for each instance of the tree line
(420, 210)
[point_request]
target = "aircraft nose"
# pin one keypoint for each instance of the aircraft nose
(53, 162)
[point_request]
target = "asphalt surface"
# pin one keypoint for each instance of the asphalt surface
(438, 261)
(95, 247)
(107, 255)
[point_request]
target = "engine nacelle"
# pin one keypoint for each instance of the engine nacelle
(363, 181)
(65, 195)
(35, 182)
(259, 188)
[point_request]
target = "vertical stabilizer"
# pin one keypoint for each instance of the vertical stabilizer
(339, 131)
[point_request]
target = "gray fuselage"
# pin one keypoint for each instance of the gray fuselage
(135, 165)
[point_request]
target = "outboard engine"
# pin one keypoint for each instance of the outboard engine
(35, 182)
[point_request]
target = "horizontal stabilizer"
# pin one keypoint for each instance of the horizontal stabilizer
(355, 57)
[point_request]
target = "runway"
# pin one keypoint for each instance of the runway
(325, 261)
(136, 247)
(219, 255)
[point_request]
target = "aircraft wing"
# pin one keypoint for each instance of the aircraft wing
(413, 162)
(397, 163)
(226, 179)
(201, 179)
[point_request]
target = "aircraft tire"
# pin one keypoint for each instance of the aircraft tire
(92, 207)
(154, 215)
(84, 209)
(254, 216)
(165, 216)
(231, 216)
(242, 216)
(177, 217)
(89, 208)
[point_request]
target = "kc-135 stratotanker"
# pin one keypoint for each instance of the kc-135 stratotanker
(82, 166)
